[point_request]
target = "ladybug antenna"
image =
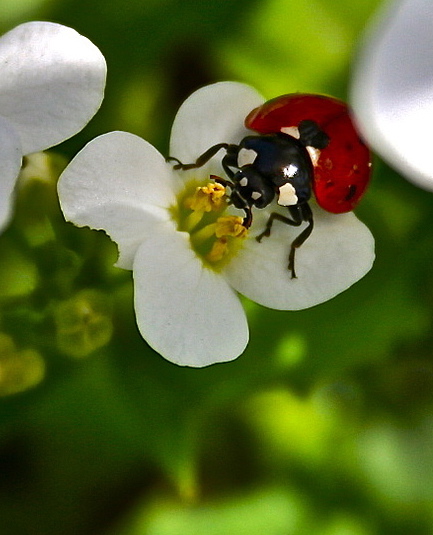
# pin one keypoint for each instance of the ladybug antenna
(223, 181)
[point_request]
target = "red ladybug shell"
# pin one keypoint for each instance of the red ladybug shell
(343, 169)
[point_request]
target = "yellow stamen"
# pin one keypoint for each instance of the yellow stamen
(230, 226)
(212, 234)
(207, 198)
(219, 249)
(225, 227)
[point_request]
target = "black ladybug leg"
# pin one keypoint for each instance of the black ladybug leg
(230, 160)
(201, 160)
(300, 214)
(248, 219)
(296, 243)
(173, 159)
(278, 217)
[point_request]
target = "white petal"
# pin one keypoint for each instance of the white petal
(52, 82)
(213, 114)
(392, 90)
(118, 183)
(128, 226)
(186, 312)
(338, 253)
(10, 158)
(115, 169)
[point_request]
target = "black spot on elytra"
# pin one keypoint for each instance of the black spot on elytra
(351, 193)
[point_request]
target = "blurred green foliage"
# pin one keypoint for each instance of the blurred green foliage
(323, 426)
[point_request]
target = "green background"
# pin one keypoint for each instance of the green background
(323, 426)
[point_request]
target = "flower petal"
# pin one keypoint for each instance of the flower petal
(10, 158)
(127, 226)
(52, 82)
(213, 114)
(115, 168)
(392, 88)
(186, 312)
(112, 184)
(338, 253)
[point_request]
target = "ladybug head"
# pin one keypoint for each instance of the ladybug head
(251, 189)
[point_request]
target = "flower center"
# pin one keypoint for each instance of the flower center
(214, 235)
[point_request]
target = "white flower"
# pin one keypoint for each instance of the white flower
(187, 263)
(52, 82)
(392, 88)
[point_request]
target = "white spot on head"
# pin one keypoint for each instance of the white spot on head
(291, 131)
(290, 171)
(314, 155)
(255, 195)
(243, 181)
(287, 196)
(246, 157)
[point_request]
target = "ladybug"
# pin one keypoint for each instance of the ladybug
(303, 144)
(342, 170)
